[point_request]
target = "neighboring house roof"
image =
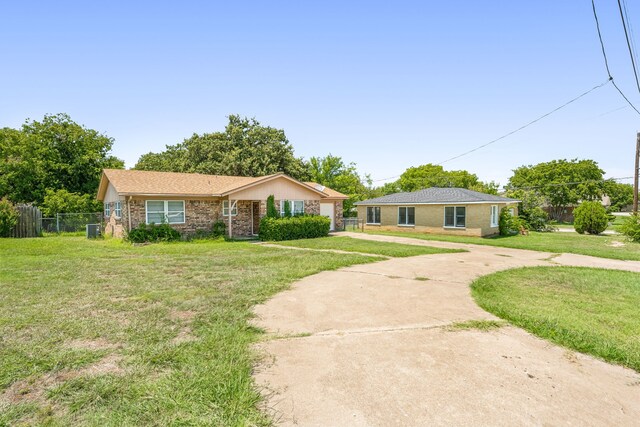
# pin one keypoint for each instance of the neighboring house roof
(435, 195)
(135, 182)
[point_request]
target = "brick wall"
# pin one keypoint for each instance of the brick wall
(339, 214)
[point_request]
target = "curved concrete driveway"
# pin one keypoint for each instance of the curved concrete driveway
(368, 346)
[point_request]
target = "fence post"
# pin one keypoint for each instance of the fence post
(57, 223)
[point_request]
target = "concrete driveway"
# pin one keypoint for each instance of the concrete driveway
(369, 345)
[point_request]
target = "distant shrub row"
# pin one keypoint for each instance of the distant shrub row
(292, 228)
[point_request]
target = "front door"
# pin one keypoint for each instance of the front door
(255, 218)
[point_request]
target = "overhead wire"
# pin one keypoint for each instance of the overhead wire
(626, 35)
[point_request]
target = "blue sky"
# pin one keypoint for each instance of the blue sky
(387, 85)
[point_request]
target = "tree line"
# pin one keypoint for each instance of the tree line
(56, 164)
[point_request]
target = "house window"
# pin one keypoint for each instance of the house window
(297, 207)
(512, 212)
(169, 211)
(117, 209)
(107, 210)
(225, 209)
(373, 215)
(406, 215)
(494, 216)
(455, 216)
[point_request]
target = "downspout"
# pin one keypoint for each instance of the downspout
(129, 213)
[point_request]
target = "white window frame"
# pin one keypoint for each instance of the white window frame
(117, 209)
(166, 211)
(374, 215)
(292, 204)
(455, 218)
(495, 216)
(225, 208)
(107, 210)
(406, 214)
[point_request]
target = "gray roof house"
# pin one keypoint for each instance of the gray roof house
(455, 211)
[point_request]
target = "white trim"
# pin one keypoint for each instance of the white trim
(166, 210)
(233, 207)
(455, 217)
(292, 204)
(495, 217)
(117, 206)
(406, 224)
(367, 216)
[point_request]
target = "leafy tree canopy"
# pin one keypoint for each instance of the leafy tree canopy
(62, 201)
(55, 153)
(620, 195)
(430, 175)
(332, 172)
(560, 183)
(244, 148)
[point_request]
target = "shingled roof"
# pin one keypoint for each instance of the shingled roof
(136, 182)
(435, 196)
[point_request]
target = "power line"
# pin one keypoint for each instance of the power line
(604, 55)
(626, 35)
(513, 131)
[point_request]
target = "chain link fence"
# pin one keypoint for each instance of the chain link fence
(352, 224)
(70, 222)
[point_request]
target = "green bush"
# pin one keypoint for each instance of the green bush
(62, 201)
(535, 219)
(590, 217)
(297, 227)
(153, 233)
(506, 223)
(272, 212)
(631, 227)
(287, 209)
(218, 229)
(8, 217)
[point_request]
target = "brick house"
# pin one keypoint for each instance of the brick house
(190, 202)
(456, 211)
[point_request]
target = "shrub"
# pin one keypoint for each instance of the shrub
(535, 219)
(62, 201)
(287, 209)
(506, 223)
(218, 229)
(590, 217)
(272, 212)
(631, 227)
(153, 233)
(297, 227)
(8, 217)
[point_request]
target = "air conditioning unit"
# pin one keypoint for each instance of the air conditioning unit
(93, 231)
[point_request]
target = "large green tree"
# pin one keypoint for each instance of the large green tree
(244, 148)
(430, 175)
(333, 172)
(620, 195)
(52, 154)
(560, 183)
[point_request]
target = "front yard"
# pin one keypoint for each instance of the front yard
(349, 244)
(105, 333)
(605, 246)
(590, 310)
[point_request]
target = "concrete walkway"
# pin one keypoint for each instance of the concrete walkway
(369, 346)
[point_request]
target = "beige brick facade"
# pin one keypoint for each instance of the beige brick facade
(430, 219)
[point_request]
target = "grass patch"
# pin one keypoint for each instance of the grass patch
(350, 244)
(421, 278)
(480, 325)
(100, 332)
(604, 246)
(590, 310)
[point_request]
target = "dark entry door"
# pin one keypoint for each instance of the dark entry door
(255, 217)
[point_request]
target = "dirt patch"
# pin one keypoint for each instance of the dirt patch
(616, 244)
(184, 335)
(97, 344)
(184, 315)
(34, 389)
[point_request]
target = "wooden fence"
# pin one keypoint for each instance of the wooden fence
(29, 223)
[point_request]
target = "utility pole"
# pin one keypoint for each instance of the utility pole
(635, 175)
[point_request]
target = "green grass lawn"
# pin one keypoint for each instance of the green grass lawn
(349, 244)
(105, 333)
(590, 310)
(556, 242)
